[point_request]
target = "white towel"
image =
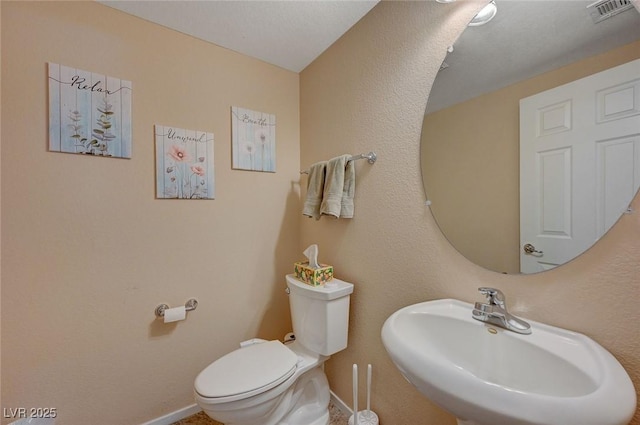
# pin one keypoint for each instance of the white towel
(334, 186)
(315, 189)
(349, 190)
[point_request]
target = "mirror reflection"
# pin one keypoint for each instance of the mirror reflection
(554, 62)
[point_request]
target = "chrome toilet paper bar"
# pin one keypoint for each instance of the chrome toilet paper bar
(188, 306)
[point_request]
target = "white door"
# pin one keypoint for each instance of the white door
(579, 164)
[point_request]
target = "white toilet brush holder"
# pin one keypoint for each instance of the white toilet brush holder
(362, 417)
(365, 417)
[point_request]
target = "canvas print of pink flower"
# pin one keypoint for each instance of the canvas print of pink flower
(184, 164)
(253, 144)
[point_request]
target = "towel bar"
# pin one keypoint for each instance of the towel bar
(371, 158)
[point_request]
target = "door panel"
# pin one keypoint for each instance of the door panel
(579, 163)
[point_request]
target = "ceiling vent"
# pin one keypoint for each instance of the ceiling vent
(605, 9)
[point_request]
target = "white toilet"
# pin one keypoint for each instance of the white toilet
(269, 383)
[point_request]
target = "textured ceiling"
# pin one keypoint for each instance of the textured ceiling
(289, 34)
(526, 38)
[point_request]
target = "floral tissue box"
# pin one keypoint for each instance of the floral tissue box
(311, 276)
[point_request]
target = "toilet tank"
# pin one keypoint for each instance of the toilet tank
(320, 314)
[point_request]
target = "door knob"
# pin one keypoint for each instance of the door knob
(530, 249)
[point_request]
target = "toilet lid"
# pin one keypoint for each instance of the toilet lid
(259, 366)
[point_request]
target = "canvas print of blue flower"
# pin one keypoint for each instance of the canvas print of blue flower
(89, 113)
(184, 164)
(253, 145)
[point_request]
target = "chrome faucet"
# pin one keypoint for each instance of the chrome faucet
(495, 312)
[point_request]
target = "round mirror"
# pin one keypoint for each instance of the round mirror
(549, 90)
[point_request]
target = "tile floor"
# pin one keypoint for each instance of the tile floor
(337, 418)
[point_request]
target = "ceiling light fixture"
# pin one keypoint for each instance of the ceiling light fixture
(485, 15)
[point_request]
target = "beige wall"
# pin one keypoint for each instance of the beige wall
(0, 211)
(368, 92)
(78, 331)
(88, 250)
(471, 171)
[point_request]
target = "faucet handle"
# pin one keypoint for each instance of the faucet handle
(494, 296)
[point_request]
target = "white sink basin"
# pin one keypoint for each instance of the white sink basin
(487, 375)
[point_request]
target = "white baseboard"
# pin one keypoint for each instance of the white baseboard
(34, 421)
(341, 405)
(172, 417)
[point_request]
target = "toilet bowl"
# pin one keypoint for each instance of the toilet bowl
(300, 396)
(270, 383)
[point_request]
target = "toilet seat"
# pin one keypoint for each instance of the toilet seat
(246, 372)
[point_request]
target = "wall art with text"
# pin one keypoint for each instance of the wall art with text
(184, 164)
(253, 144)
(89, 113)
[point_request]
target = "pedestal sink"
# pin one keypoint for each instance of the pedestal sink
(486, 375)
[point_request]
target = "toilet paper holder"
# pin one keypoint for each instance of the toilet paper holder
(188, 306)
